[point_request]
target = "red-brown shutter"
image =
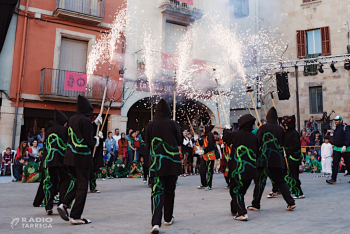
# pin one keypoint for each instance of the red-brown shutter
(301, 43)
(326, 41)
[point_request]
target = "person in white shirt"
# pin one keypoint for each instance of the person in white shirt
(326, 154)
(116, 137)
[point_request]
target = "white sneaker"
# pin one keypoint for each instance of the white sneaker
(170, 223)
(103, 179)
(241, 217)
(299, 197)
(155, 229)
(272, 195)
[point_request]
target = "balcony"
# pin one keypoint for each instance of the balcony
(52, 87)
(85, 11)
(181, 12)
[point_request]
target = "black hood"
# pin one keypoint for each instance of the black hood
(272, 116)
(246, 122)
(84, 106)
(60, 118)
(208, 128)
(289, 121)
(163, 110)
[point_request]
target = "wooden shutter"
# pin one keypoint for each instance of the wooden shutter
(326, 41)
(301, 44)
(73, 55)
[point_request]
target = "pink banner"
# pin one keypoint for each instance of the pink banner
(200, 63)
(75, 81)
(189, 2)
(169, 61)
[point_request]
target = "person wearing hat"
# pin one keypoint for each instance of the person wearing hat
(341, 142)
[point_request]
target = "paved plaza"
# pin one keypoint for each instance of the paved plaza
(123, 206)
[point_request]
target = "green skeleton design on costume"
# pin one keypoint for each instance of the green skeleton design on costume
(77, 143)
(291, 182)
(157, 189)
(241, 165)
(52, 138)
(268, 137)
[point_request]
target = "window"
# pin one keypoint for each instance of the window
(316, 100)
(73, 55)
(315, 41)
(241, 8)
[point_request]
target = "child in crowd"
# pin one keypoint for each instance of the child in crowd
(317, 156)
(315, 165)
(135, 172)
(31, 172)
(326, 154)
(19, 169)
(308, 157)
(119, 170)
(6, 160)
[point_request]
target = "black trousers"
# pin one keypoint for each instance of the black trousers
(57, 179)
(40, 195)
(294, 184)
(227, 179)
(238, 189)
(163, 195)
(277, 177)
(78, 192)
(206, 171)
(145, 172)
(336, 159)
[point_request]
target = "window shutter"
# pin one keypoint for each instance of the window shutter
(326, 41)
(301, 44)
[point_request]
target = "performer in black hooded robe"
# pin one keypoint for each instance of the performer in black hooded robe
(241, 164)
(56, 177)
(206, 168)
(292, 148)
(78, 158)
(270, 161)
(163, 136)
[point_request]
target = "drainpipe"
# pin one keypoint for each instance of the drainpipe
(20, 75)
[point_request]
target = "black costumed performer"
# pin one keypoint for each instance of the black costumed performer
(270, 161)
(206, 168)
(57, 178)
(97, 164)
(241, 164)
(78, 158)
(163, 136)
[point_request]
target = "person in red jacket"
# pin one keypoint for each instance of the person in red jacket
(304, 140)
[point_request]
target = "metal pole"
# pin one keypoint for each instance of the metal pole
(297, 96)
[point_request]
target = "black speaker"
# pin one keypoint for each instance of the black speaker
(282, 85)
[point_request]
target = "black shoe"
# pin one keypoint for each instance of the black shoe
(347, 174)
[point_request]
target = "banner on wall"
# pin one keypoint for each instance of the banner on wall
(75, 81)
(189, 2)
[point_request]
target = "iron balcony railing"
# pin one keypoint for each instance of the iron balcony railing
(53, 84)
(87, 7)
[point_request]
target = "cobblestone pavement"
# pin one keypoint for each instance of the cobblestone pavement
(123, 206)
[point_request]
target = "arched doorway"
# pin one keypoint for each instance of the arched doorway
(198, 113)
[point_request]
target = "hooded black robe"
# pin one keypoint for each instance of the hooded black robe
(162, 137)
(244, 149)
(56, 141)
(80, 136)
(292, 141)
(271, 141)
